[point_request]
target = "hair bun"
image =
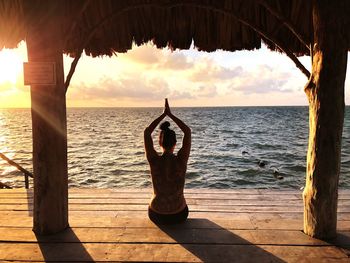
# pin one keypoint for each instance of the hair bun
(165, 126)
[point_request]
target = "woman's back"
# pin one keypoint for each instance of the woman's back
(168, 179)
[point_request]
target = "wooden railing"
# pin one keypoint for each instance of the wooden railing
(25, 172)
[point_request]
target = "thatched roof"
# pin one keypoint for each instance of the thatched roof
(102, 27)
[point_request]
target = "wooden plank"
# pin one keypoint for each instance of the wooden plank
(328, 260)
(188, 200)
(193, 214)
(216, 197)
(194, 201)
(78, 221)
(84, 221)
(187, 190)
(208, 201)
(149, 190)
(165, 252)
(133, 191)
(251, 191)
(293, 224)
(192, 208)
(343, 206)
(287, 224)
(203, 214)
(141, 207)
(171, 235)
(148, 195)
(25, 222)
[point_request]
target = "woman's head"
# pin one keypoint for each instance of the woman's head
(167, 137)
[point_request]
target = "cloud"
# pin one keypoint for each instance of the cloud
(209, 71)
(257, 80)
(145, 54)
(147, 87)
(176, 61)
(263, 79)
(177, 95)
(132, 88)
(207, 91)
(260, 86)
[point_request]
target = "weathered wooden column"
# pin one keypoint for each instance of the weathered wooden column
(44, 44)
(325, 91)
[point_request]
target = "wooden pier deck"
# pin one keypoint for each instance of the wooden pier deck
(223, 226)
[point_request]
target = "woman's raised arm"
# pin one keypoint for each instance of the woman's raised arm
(184, 152)
(147, 137)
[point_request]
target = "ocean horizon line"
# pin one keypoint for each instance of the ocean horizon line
(179, 107)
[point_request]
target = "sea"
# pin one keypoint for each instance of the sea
(232, 147)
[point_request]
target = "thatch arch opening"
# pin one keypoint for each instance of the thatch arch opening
(253, 159)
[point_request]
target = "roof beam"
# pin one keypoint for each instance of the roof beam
(78, 54)
(72, 69)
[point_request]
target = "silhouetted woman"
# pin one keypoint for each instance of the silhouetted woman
(168, 204)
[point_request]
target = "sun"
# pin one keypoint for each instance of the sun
(10, 66)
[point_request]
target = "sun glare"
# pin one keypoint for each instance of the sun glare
(12, 91)
(10, 66)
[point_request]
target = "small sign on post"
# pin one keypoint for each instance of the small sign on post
(39, 73)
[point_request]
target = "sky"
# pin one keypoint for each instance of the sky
(145, 75)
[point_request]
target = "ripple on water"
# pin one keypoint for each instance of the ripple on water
(105, 146)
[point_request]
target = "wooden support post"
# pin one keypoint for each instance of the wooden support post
(44, 44)
(325, 91)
